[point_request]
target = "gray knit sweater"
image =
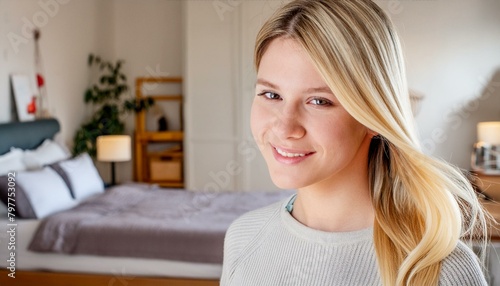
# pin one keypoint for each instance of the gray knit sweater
(269, 247)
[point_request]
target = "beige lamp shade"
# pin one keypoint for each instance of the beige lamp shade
(489, 132)
(114, 148)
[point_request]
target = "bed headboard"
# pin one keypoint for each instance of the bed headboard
(27, 135)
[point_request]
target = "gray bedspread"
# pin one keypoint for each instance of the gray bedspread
(137, 221)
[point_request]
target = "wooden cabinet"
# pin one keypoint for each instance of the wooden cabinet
(162, 166)
(489, 185)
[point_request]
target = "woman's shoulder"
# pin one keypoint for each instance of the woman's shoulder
(254, 220)
(245, 233)
(250, 227)
(462, 267)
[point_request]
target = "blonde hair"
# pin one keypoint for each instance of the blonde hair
(423, 206)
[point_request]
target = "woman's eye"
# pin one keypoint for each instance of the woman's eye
(269, 95)
(320, 101)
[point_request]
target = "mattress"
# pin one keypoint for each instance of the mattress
(129, 221)
(28, 260)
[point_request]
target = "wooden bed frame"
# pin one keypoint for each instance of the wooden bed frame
(43, 278)
(28, 135)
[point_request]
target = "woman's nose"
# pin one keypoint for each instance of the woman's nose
(287, 124)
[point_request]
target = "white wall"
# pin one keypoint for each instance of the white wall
(147, 34)
(210, 87)
(70, 30)
(453, 56)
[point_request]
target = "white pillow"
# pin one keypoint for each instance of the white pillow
(3, 210)
(12, 161)
(46, 191)
(84, 178)
(47, 153)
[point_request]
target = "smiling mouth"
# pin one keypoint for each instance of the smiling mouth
(291, 155)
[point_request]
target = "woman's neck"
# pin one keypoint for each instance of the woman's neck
(335, 207)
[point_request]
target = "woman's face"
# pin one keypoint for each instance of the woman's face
(304, 134)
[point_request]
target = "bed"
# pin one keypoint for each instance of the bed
(124, 225)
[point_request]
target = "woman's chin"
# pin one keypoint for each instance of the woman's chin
(287, 183)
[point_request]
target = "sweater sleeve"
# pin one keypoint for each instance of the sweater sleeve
(232, 250)
(462, 267)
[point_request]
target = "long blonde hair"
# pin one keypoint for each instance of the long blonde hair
(423, 205)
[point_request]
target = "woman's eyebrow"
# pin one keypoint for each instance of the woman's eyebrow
(266, 83)
(322, 89)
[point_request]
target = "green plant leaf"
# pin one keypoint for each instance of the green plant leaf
(91, 59)
(105, 93)
(88, 96)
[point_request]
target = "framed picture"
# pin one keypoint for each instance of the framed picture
(24, 97)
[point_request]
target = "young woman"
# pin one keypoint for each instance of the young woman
(332, 119)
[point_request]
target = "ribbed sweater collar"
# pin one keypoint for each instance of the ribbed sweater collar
(298, 229)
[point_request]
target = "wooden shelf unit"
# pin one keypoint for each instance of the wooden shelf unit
(147, 164)
(161, 136)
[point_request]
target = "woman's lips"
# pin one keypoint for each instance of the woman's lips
(290, 156)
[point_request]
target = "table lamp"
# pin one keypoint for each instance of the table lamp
(489, 132)
(113, 148)
(486, 155)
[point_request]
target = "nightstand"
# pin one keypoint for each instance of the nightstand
(490, 186)
(493, 208)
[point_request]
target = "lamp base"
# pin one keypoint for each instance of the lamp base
(113, 178)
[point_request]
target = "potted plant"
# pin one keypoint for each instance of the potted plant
(106, 95)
